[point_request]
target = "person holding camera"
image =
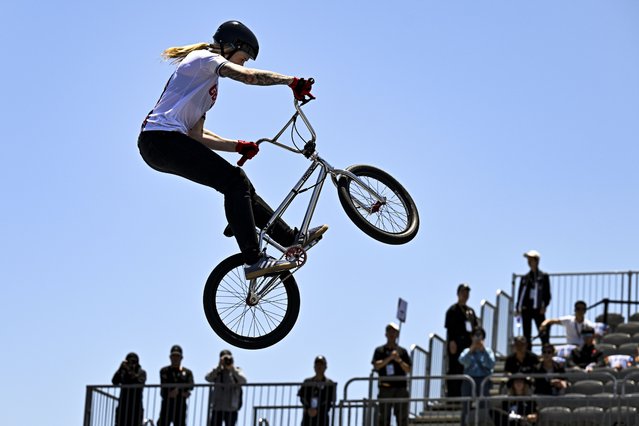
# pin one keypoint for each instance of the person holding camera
(173, 407)
(479, 363)
(129, 411)
(225, 398)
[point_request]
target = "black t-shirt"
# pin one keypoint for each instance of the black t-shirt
(513, 365)
(460, 323)
(181, 375)
(392, 369)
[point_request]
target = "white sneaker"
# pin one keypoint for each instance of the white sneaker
(267, 265)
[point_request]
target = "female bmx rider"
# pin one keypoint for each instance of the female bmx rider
(173, 139)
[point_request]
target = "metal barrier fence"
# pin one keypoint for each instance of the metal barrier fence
(277, 402)
(592, 288)
(615, 398)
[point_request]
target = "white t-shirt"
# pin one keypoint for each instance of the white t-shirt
(189, 94)
(573, 329)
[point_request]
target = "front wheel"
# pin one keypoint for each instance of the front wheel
(250, 317)
(378, 205)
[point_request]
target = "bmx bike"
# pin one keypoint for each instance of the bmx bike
(257, 313)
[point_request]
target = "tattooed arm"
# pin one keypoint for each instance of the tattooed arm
(253, 76)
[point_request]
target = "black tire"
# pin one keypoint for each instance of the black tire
(242, 325)
(394, 222)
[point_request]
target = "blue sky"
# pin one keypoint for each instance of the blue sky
(513, 124)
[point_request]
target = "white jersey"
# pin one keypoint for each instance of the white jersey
(573, 329)
(189, 94)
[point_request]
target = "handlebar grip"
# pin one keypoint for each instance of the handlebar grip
(242, 160)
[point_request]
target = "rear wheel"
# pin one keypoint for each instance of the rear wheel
(391, 219)
(250, 322)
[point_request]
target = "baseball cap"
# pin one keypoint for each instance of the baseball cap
(176, 349)
(393, 326)
(587, 331)
(463, 286)
(225, 352)
(520, 340)
(320, 358)
(532, 253)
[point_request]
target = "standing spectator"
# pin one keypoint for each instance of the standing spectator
(317, 395)
(478, 362)
(225, 399)
(521, 360)
(533, 298)
(549, 385)
(586, 356)
(173, 407)
(460, 323)
(574, 324)
(129, 411)
(392, 361)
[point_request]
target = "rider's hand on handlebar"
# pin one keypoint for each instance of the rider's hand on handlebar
(247, 149)
(302, 88)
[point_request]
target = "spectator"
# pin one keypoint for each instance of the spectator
(460, 323)
(586, 356)
(391, 361)
(621, 361)
(317, 395)
(549, 385)
(173, 406)
(520, 411)
(521, 360)
(573, 324)
(478, 362)
(129, 411)
(618, 362)
(533, 298)
(225, 398)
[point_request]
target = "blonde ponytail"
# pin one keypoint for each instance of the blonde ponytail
(176, 54)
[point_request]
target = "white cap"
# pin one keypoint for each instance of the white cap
(532, 253)
(393, 326)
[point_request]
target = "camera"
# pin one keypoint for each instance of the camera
(228, 360)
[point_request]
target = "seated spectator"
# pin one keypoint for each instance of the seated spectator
(619, 362)
(549, 365)
(521, 411)
(573, 324)
(587, 355)
(521, 360)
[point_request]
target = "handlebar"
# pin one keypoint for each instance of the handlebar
(309, 147)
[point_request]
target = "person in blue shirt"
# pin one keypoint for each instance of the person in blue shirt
(479, 363)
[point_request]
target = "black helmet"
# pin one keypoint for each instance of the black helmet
(239, 36)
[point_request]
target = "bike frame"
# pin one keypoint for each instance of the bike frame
(325, 169)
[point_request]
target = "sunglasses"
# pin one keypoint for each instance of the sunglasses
(548, 352)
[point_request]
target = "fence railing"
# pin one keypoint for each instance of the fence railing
(591, 287)
(277, 402)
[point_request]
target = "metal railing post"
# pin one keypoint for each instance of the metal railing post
(88, 403)
(629, 293)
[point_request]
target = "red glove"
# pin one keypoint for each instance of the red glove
(247, 149)
(302, 88)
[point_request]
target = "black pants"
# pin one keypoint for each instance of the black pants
(400, 409)
(172, 410)
(453, 387)
(178, 154)
(229, 418)
(527, 317)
